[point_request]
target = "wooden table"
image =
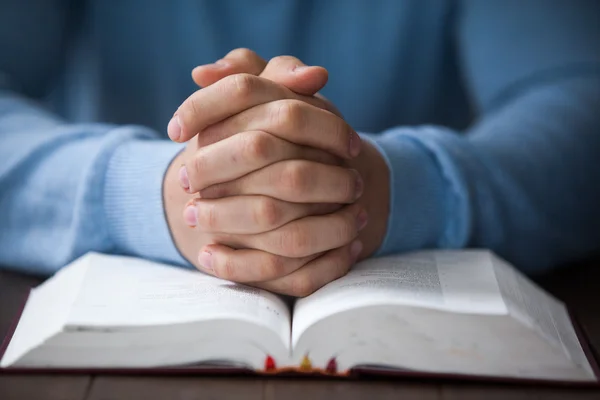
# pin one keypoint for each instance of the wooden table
(579, 286)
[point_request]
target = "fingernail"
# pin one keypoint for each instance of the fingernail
(359, 186)
(200, 68)
(190, 215)
(205, 260)
(174, 128)
(184, 181)
(355, 249)
(354, 144)
(218, 65)
(222, 63)
(361, 219)
(301, 68)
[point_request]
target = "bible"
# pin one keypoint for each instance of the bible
(435, 313)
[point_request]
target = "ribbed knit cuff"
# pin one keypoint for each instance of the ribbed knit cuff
(418, 206)
(133, 200)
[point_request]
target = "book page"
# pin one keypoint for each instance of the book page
(535, 308)
(124, 291)
(44, 313)
(457, 281)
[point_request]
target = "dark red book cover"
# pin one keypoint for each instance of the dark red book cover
(305, 370)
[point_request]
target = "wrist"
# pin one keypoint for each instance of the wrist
(133, 200)
(376, 196)
(417, 195)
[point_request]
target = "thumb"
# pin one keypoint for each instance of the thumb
(285, 70)
(238, 61)
(301, 79)
(295, 75)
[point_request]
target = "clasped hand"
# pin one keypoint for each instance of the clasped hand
(276, 180)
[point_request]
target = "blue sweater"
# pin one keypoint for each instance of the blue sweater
(487, 112)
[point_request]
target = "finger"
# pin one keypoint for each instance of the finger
(297, 181)
(295, 75)
(246, 265)
(306, 236)
(227, 97)
(316, 273)
(240, 154)
(293, 120)
(234, 94)
(248, 214)
(235, 62)
(303, 79)
(285, 70)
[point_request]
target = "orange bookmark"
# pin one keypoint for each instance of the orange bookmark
(305, 364)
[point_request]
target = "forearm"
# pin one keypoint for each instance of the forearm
(523, 181)
(68, 189)
(540, 154)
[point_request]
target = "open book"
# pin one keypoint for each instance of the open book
(432, 312)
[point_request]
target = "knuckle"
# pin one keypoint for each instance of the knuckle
(242, 85)
(226, 269)
(341, 132)
(273, 267)
(296, 177)
(282, 60)
(267, 213)
(345, 228)
(289, 115)
(301, 285)
(257, 146)
(349, 185)
(242, 52)
(191, 105)
(198, 165)
(194, 105)
(295, 242)
(207, 217)
(276, 61)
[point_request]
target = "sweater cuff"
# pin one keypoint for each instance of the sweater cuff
(419, 200)
(133, 200)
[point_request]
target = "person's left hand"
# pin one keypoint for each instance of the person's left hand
(271, 122)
